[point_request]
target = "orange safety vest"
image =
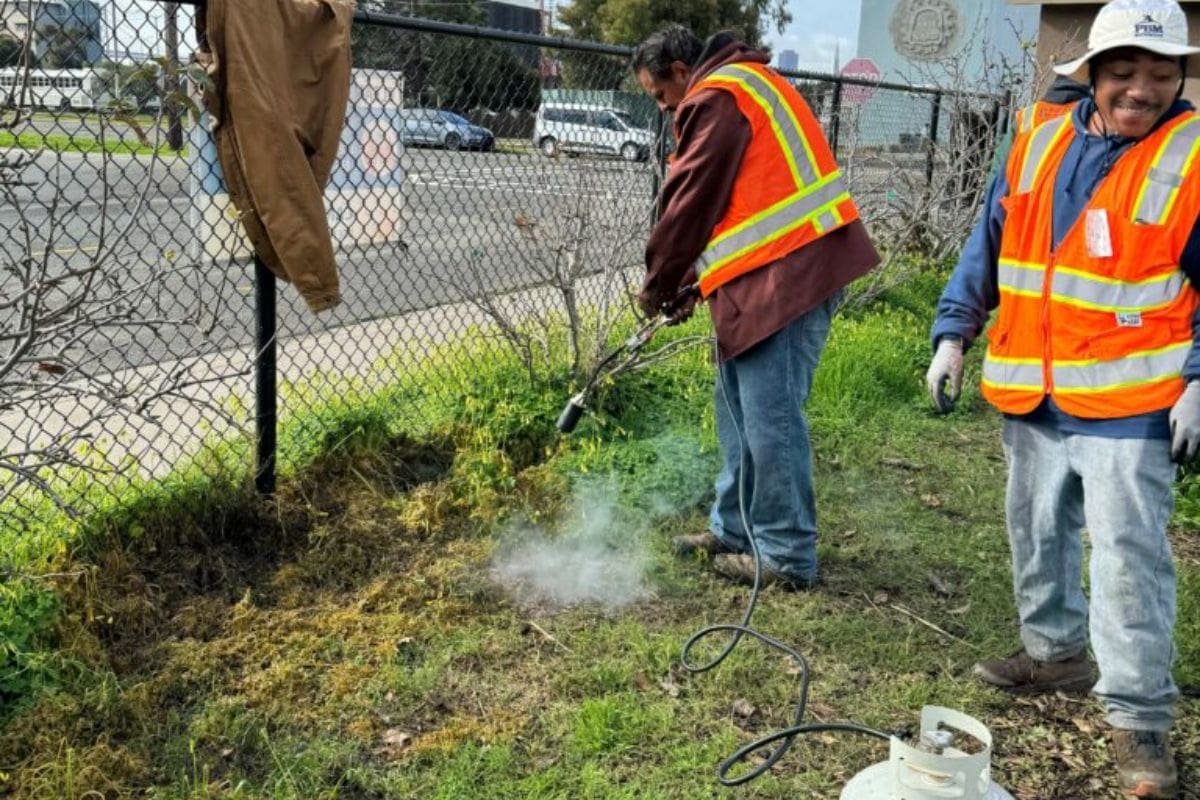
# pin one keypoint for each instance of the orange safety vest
(788, 192)
(1036, 113)
(1103, 323)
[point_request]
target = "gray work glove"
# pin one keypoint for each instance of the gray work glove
(946, 367)
(1185, 424)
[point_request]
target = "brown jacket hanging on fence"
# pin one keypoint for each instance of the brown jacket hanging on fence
(280, 74)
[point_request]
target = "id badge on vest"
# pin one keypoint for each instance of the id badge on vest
(1099, 238)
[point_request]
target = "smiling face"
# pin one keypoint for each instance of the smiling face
(1133, 88)
(667, 92)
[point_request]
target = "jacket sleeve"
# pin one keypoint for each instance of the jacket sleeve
(1190, 264)
(713, 136)
(972, 291)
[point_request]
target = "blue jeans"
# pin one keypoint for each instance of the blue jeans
(1121, 490)
(760, 400)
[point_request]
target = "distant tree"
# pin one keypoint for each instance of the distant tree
(445, 71)
(630, 21)
(10, 51)
(132, 86)
(61, 46)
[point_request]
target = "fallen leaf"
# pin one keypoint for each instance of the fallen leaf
(393, 743)
(880, 598)
(931, 501)
(940, 585)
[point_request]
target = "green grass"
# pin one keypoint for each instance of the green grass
(348, 640)
(69, 143)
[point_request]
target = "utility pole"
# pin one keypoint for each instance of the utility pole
(171, 80)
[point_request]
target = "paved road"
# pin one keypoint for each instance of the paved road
(471, 223)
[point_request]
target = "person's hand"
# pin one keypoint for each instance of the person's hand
(946, 368)
(1185, 424)
(685, 310)
(648, 302)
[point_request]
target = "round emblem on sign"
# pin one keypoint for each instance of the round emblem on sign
(925, 30)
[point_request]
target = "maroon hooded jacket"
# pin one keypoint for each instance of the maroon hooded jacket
(712, 138)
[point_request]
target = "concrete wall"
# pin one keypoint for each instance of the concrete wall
(908, 38)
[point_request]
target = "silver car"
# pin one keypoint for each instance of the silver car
(438, 128)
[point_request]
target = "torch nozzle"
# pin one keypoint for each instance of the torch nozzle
(571, 414)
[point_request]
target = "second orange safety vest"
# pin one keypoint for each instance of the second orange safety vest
(788, 192)
(1102, 323)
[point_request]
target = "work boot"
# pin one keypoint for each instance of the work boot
(1020, 673)
(739, 567)
(1145, 763)
(698, 542)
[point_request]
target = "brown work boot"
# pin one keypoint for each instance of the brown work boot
(1020, 673)
(740, 567)
(1145, 763)
(698, 542)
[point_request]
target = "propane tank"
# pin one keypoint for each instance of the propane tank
(933, 769)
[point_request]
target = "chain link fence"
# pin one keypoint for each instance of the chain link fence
(486, 181)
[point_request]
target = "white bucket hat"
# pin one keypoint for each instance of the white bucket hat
(1159, 26)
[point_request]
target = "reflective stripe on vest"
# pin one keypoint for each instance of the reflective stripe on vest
(1024, 374)
(1079, 288)
(1173, 161)
(1134, 369)
(1035, 114)
(817, 205)
(816, 198)
(786, 127)
(1041, 143)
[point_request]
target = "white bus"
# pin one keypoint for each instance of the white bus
(60, 89)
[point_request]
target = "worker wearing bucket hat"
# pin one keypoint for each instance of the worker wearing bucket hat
(1090, 249)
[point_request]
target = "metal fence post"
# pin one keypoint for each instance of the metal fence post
(265, 379)
(931, 145)
(835, 117)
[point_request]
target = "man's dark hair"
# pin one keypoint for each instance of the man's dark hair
(663, 48)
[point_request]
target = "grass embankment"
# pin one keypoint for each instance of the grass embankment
(72, 143)
(351, 639)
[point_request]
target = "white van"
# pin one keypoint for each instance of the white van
(581, 128)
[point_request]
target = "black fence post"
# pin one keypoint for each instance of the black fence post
(931, 145)
(265, 379)
(835, 117)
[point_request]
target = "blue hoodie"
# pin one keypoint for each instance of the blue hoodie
(971, 293)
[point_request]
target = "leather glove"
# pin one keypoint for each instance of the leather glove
(947, 367)
(1185, 424)
(647, 302)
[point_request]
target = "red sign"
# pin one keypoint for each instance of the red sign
(862, 69)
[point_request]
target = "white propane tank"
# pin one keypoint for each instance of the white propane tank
(934, 769)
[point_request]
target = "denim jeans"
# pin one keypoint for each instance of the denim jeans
(760, 399)
(1121, 490)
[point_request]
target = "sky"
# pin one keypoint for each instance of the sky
(817, 29)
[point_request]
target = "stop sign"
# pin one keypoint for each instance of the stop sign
(863, 69)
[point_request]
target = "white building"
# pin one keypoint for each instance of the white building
(917, 41)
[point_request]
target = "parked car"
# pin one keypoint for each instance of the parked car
(438, 128)
(580, 128)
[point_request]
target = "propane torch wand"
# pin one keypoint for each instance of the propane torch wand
(573, 411)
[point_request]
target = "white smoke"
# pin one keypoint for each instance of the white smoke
(599, 558)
